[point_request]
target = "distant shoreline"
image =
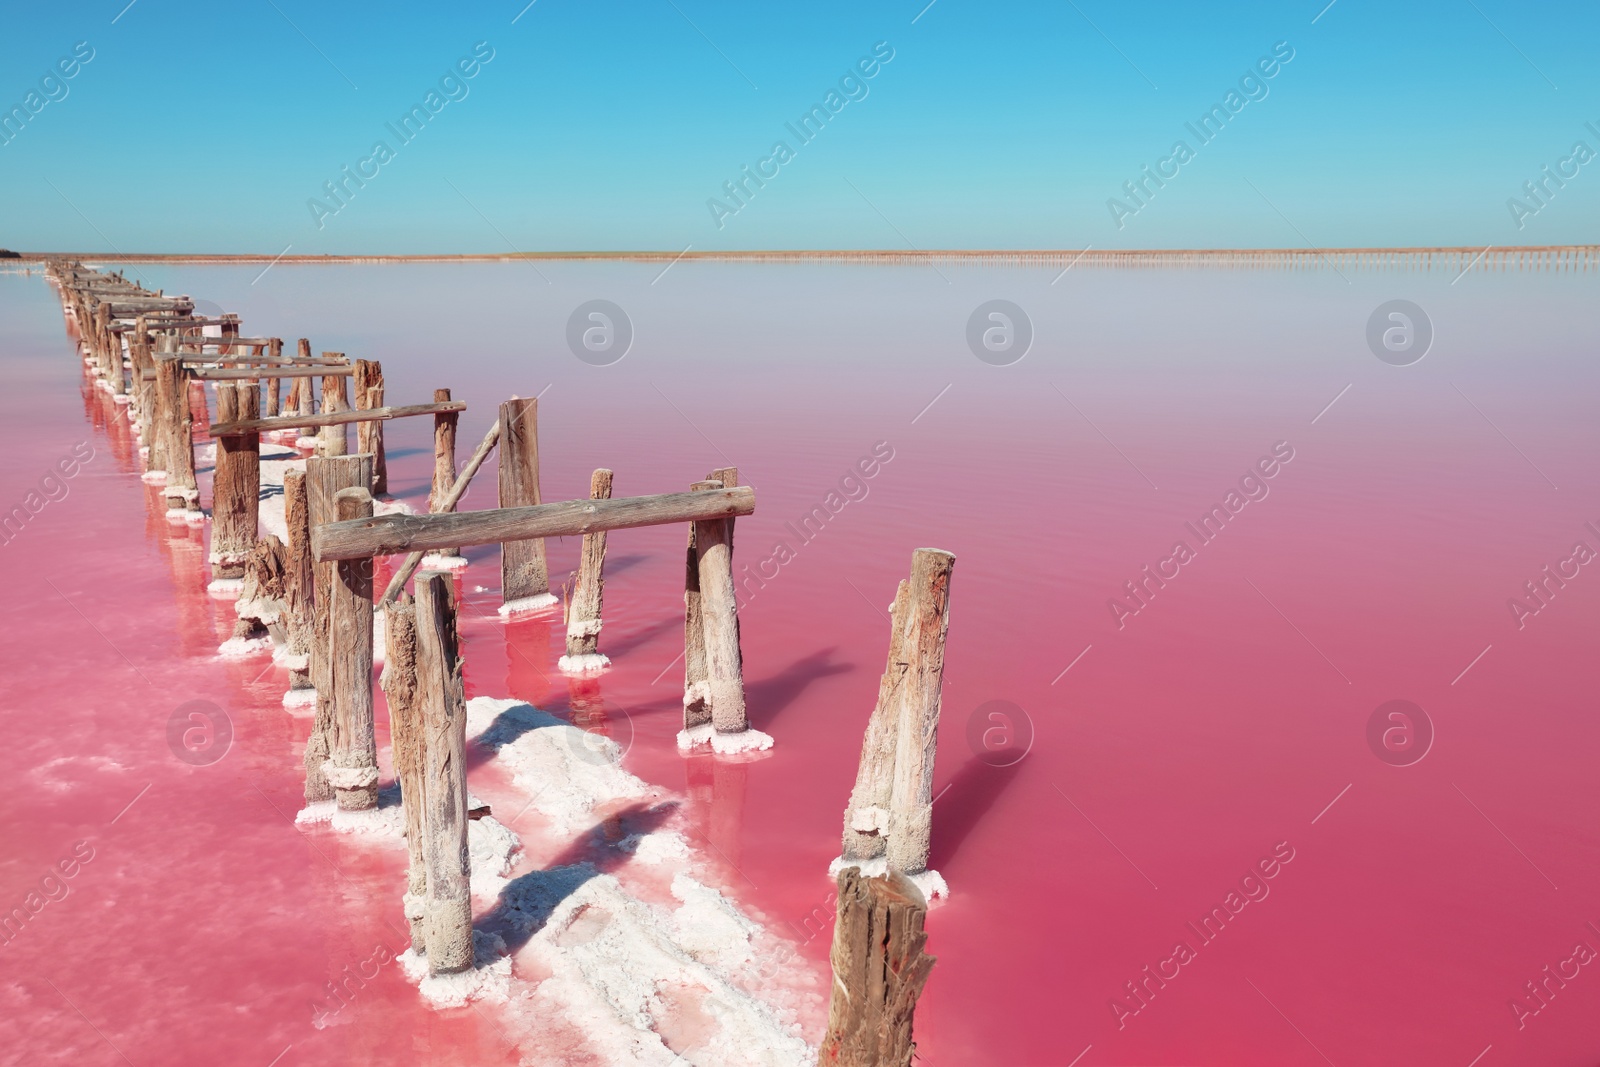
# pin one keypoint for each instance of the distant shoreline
(1164, 256)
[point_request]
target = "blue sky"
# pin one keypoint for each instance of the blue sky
(613, 125)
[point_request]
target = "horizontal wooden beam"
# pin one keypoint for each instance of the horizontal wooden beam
(212, 342)
(265, 362)
(251, 374)
(386, 535)
(337, 418)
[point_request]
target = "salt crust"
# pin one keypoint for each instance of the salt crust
(242, 647)
(931, 883)
(723, 744)
(588, 663)
(528, 604)
(432, 562)
(618, 968)
(300, 698)
(225, 587)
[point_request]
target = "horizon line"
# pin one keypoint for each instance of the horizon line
(645, 255)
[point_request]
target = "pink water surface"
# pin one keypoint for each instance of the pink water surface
(1224, 723)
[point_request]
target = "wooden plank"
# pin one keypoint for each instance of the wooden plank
(923, 628)
(245, 374)
(289, 422)
(880, 967)
(524, 571)
(274, 355)
(353, 754)
(385, 535)
(444, 717)
(177, 449)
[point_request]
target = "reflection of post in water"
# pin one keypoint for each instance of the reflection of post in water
(587, 710)
(527, 645)
(716, 802)
(185, 551)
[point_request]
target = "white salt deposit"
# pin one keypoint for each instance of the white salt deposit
(300, 698)
(567, 771)
(931, 883)
(432, 562)
(723, 744)
(225, 587)
(585, 664)
(242, 647)
(527, 604)
(305, 442)
(621, 978)
(153, 477)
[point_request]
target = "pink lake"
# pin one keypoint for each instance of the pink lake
(1150, 763)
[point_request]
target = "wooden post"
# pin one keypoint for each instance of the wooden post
(275, 354)
(182, 491)
(325, 477)
(583, 610)
(923, 625)
(719, 611)
(352, 767)
(405, 731)
(236, 484)
(696, 689)
(880, 966)
(444, 723)
(369, 435)
(334, 440)
(866, 818)
(298, 584)
(444, 473)
(524, 573)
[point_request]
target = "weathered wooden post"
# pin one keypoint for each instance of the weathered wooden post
(369, 435)
(925, 623)
(866, 818)
(352, 767)
(298, 585)
(275, 354)
(182, 491)
(588, 593)
(444, 477)
(729, 730)
(524, 573)
(325, 477)
(236, 487)
(880, 966)
(888, 821)
(696, 688)
(405, 731)
(334, 440)
(444, 722)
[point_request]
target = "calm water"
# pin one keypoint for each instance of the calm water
(1174, 755)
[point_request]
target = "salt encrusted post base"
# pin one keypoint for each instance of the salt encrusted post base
(528, 604)
(931, 883)
(723, 744)
(588, 663)
(444, 563)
